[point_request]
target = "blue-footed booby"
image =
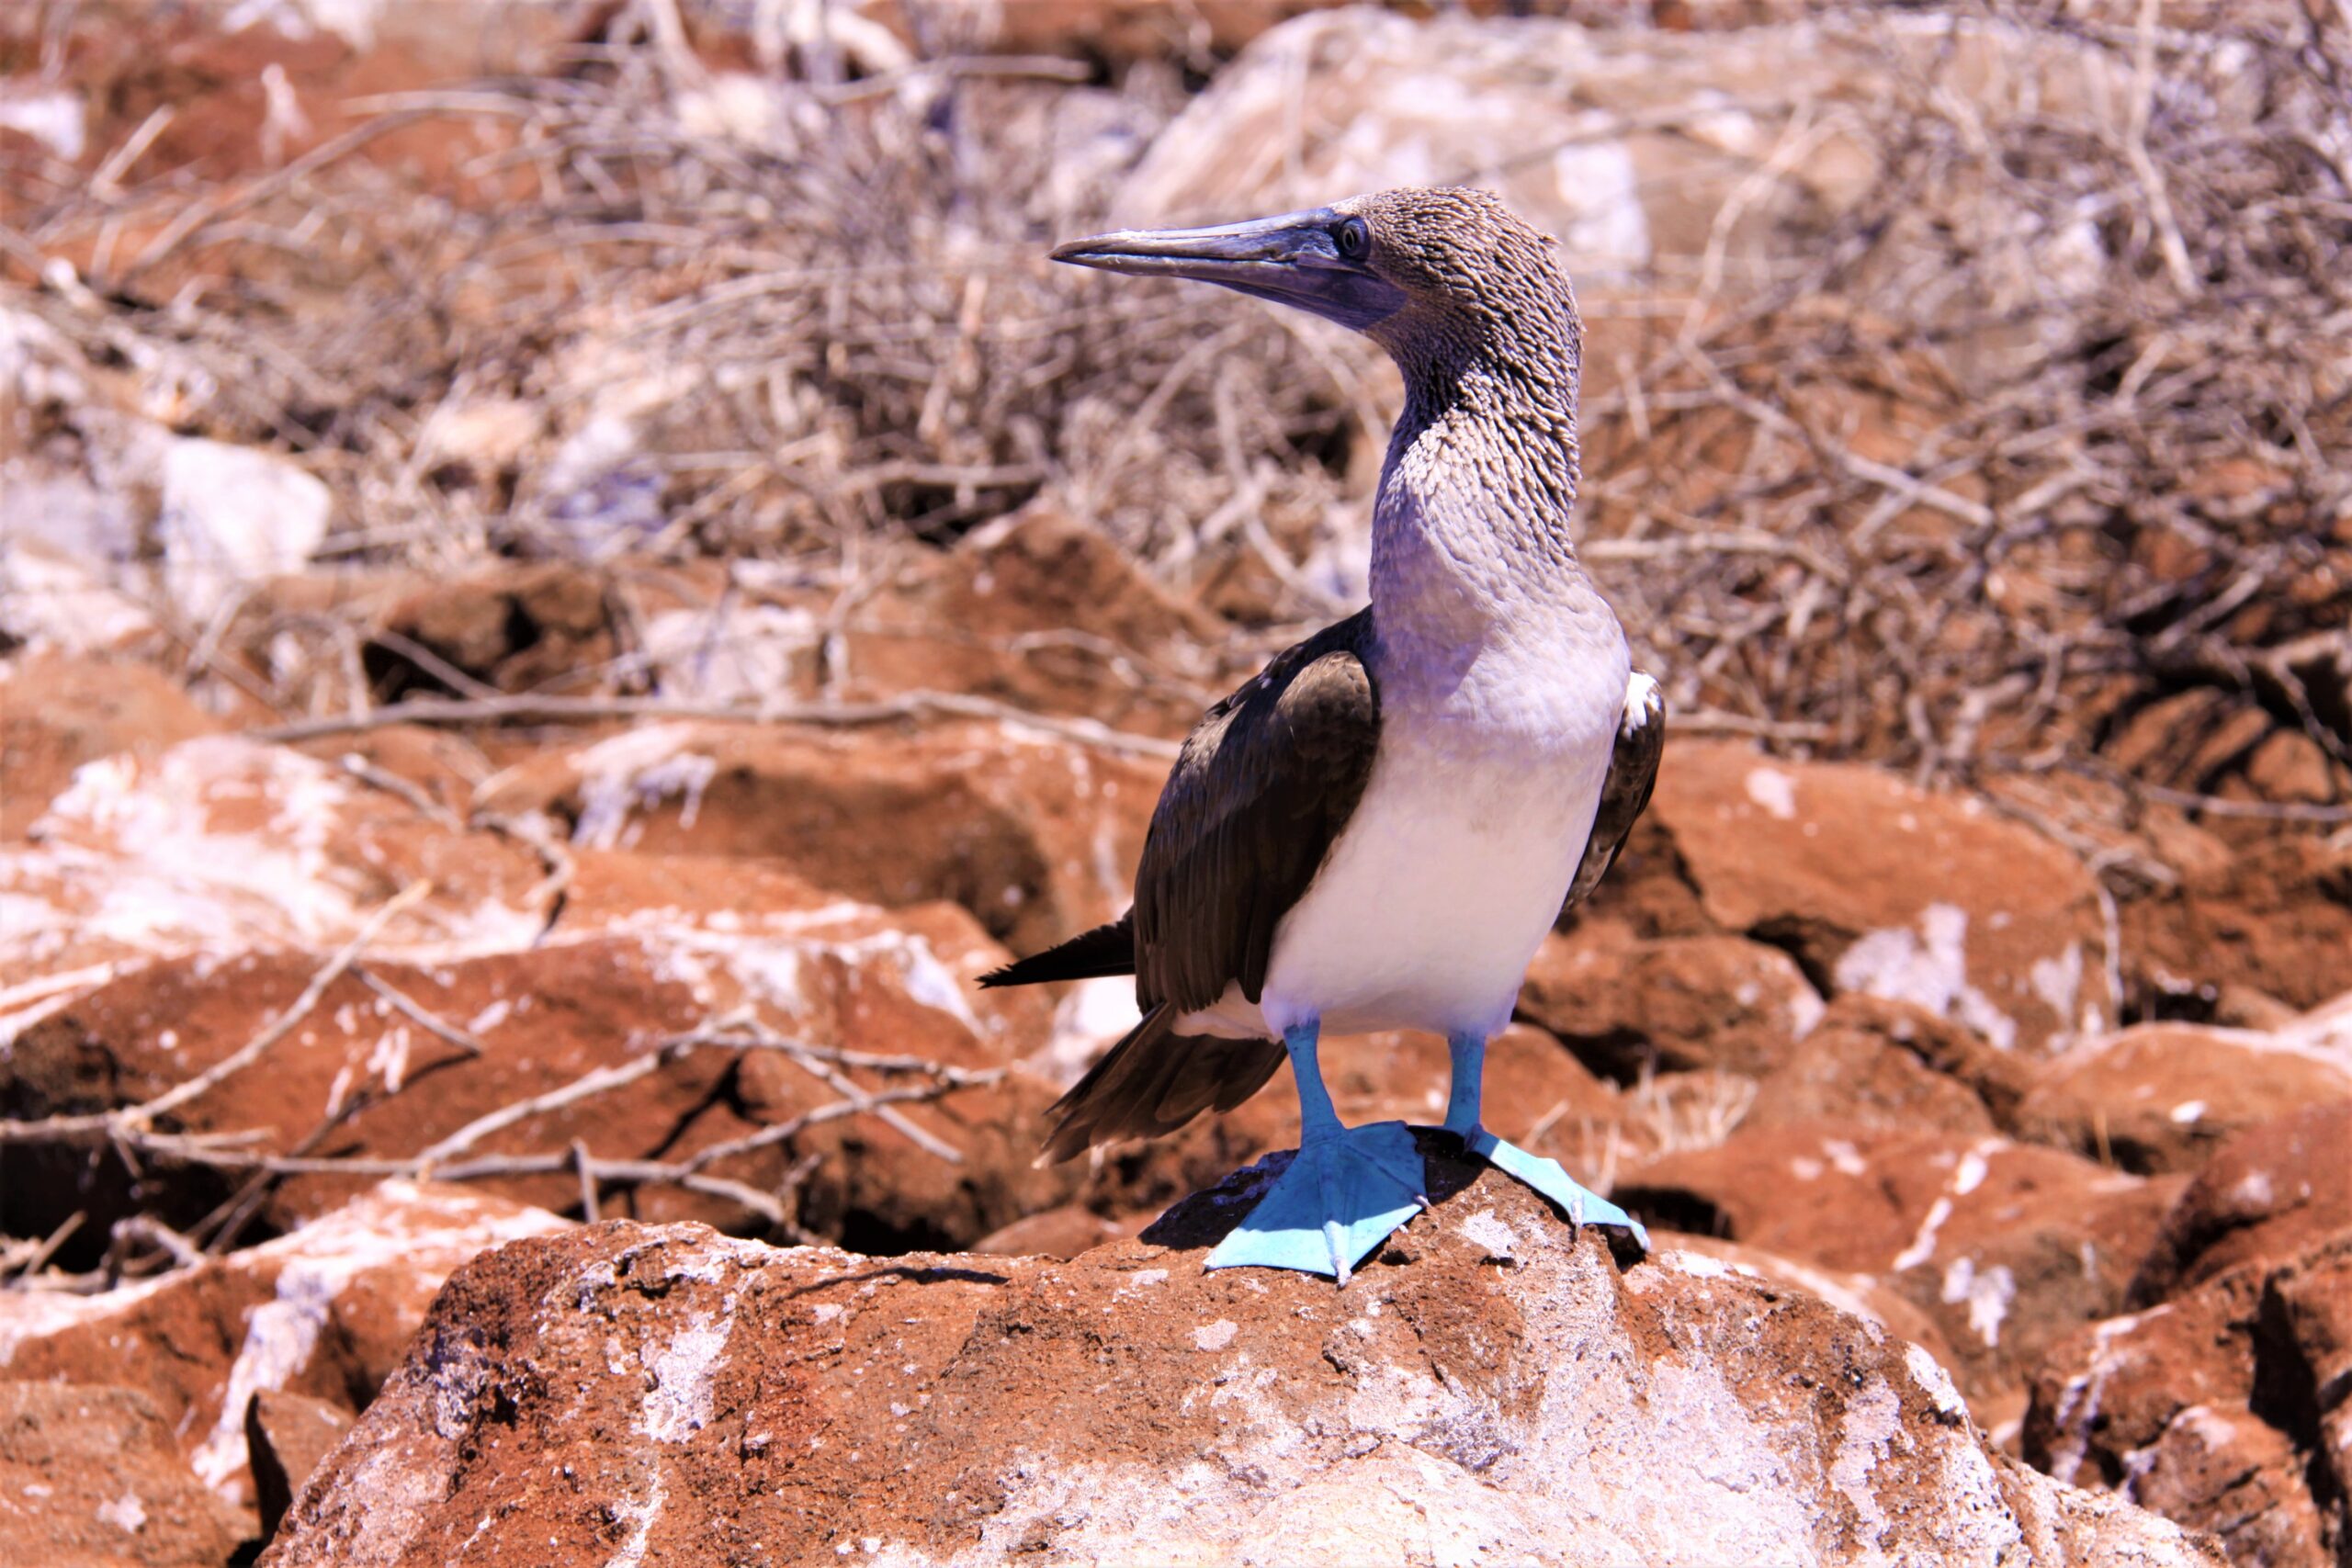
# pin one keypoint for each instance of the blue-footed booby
(1377, 831)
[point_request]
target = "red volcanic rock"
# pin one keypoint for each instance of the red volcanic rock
(2270, 1193)
(2162, 1096)
(2271, 916)
(221, 844)
(1858, 1295)
(2315, 1303)
(516, 627)
(1850, 1073)
(59, 712)
(1129, 30)
(1064, 1232)
(364, 1077)
(442, 765)
(1669, 1005)
(1998, 1078)
(287, 1434)
(1037, 837)
(325, 1312)
(207, 62)
(1888, 890)
(1487, 1385)
(1042, 611)
(2009, 1248)
(90, 1477)
(2221, 1408)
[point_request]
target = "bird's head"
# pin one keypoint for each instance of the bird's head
(1417, 271)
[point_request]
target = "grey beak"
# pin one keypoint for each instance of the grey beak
(1291, 260)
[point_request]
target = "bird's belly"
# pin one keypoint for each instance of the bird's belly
(1435, 895)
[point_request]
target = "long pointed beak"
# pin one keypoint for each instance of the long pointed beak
(1292, 260)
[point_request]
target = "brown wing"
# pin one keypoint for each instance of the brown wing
(1263, 785)
(1633, 770)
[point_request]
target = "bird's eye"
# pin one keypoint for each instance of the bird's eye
(1353, 239)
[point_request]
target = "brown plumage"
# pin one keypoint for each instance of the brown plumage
(1263, 784)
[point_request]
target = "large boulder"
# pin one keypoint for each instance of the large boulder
(2165, 1096)
(220, 845)
(2271, 1192)
(1045, 612)
(1668, 1004)
(325, 1312)
(2271, 917)
(428, 1048)
(2222, 1407)
(58, 712)
(2220, 1402)
(1881, 888)
(1038, 837)
(1875, 1063)
(89, 1478)
(2009, 1248)
(1491, 1386)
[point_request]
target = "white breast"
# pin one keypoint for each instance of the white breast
(1457, 861)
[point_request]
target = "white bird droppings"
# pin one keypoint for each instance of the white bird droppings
(1491, 1232)
(1775, 791)
(1215, 1336)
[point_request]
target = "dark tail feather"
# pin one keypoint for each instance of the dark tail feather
(1153, 1082)
(1105, 950)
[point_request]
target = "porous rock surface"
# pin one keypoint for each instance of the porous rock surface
(1826, 860)
(325, 1312)
(2007, 1247)
(89, 1478)
(1489, 1388)
(2225, 1402)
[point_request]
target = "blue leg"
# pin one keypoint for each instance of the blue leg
(1583, 1206)
(1344, 1193)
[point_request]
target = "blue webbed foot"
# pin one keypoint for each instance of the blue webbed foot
(1581, 1205)
(1342, 1195)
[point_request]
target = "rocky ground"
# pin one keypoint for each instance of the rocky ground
(1928, 1219)
(490, 1065)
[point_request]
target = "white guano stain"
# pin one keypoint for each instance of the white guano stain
(126, 1513)
(640, 1515)
(1927, 967)
(2059, 982)
(2078, 1402)
(1966, 1177)
(1489, 1231)
(1215, 1336)
(1988, 1295)
(1873, 1418)
(395, 1224)
(1929, 1374)
(636, 772)
(679, 1404)
(1775, 791)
